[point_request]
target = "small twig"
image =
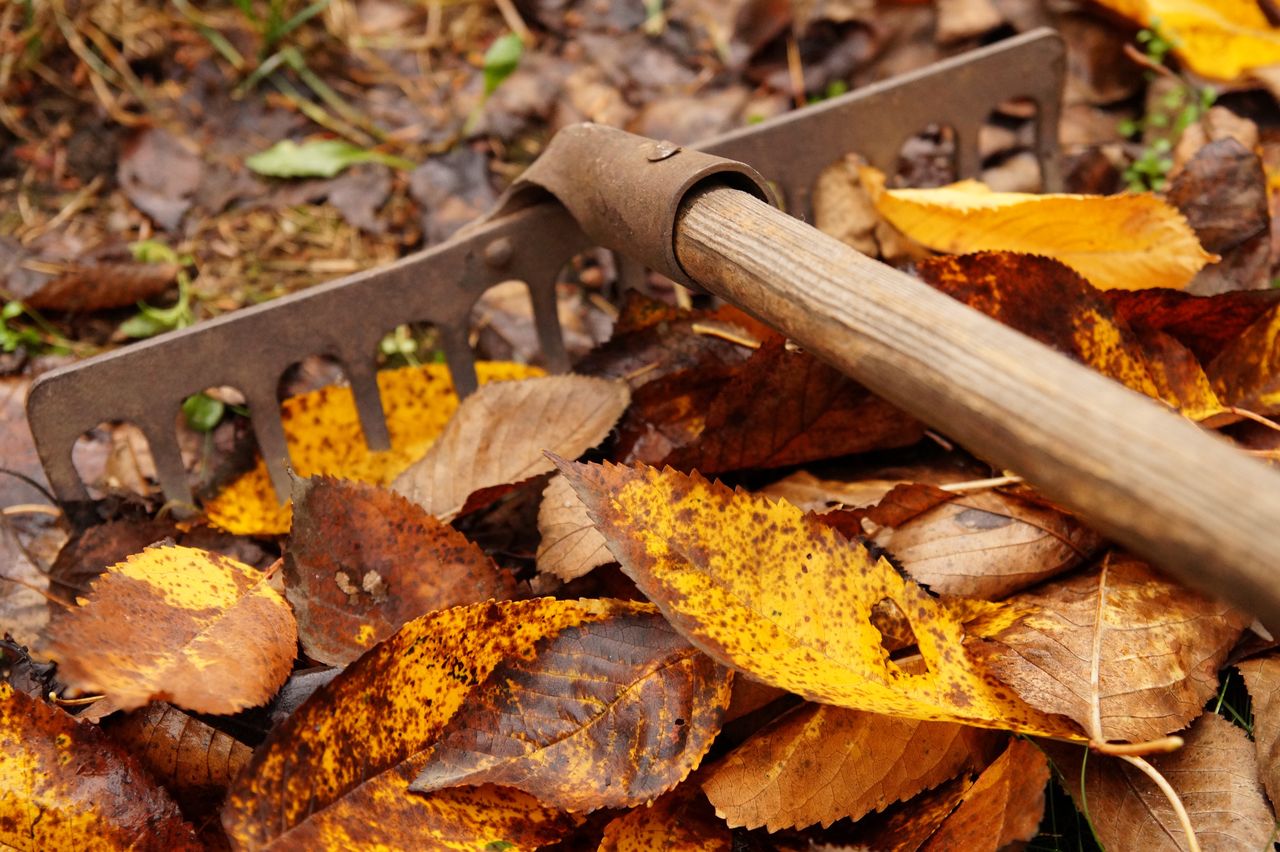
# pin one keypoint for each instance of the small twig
(514, 22)
(1255, 417)
(75, 702)
(44, 593)
(72, 207)
(1146, 62)
(982, 484)
(1193, 845)
(725, 333)
(1163, 745)
(796, 71)
(31, 509)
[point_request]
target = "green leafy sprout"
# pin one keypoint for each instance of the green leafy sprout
(1177, 110)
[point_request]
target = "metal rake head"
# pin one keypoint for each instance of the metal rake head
(146, 383)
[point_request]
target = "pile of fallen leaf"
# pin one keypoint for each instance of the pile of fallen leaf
(706, 593)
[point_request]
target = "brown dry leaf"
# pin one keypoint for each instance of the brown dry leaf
(570, 545)
(1246, 373)
(324, 436)
(814, 494)
(500, 432)
(819, 763)
(908, 826)
(774, 593)
(363, 560)
(644, 708)
(1214, 774)
(194, 761)
(1119, 649)
(778, 408)
(308, 788)
(202, 631)
(679, 821)
(1115, 241)
(1028, 293)
(986, 545)
(1262, 677)
(65, 785)
(1003, 806)
(59, 276)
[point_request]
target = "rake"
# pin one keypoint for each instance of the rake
(1139, 473)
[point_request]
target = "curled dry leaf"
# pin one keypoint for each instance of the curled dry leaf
(987, 544)
(1262, 677)
(204, 632)
(679, 821)
(1114, 241)
(570, 545)
(363, 560)
(307, 786)
(644, 708)
(500, 432)
(1119, 649)
(1028, 293)
(66, 785)
(765, 589)
(324, 436)
(194, 761)
(819, 763)
(1214, 774)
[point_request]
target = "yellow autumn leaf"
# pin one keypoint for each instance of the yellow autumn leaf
(322, 429)
(1222, 39)
(1121, 242)
(763, 588)
(203, 631)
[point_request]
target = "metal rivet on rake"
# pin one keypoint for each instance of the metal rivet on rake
(497, 254)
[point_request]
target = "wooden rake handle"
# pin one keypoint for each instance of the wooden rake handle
(1144, 476)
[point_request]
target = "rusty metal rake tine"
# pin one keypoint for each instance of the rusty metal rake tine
(546, 320)
(162, 440)
(268, 431)
(363, 377)
(460, 358)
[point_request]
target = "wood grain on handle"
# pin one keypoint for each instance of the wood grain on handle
(1135, 470)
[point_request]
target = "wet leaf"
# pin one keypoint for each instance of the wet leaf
(679, 821)
(1114, 241)
(499, 433)
(1262, 677)
(1246, 373)
(1214, 774)
(1223, 39)
(307, 786)
(570, 545)
(776, 409)
(204, 632)
(819, 763)
(363, 560)
(1119, 649)
(1028, 293)
(160, 174)
(65, 785)
(194, 761)
(644, 708)
(985, 545)
(324, 436)
(774, 593)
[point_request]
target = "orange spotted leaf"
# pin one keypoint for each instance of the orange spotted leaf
(680, 821)
(765, 589)
(324, 436)
(643, 709)
(1046, 300)
(1247, 372)
(178, 624)
(363, 560)
(309, 787)
(66, 785)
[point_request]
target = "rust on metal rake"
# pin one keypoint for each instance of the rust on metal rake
(146, 383)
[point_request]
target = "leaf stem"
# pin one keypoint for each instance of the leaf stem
(1193, 845)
